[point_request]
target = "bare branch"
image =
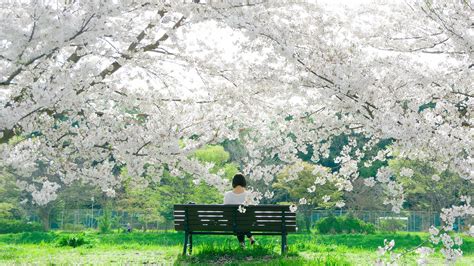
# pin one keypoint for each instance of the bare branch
(113, 67)
(137, 153)
(32, 60)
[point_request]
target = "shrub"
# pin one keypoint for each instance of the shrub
(6, 210)
(17, 226)
(74, 240)
(74, 227)
(343, 225)
(105, 221)
(328, 225)
(392, 225)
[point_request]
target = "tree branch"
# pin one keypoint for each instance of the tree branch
(114, 66)
(137, 153)
(32, 60)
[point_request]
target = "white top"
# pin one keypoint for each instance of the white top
(233, 198)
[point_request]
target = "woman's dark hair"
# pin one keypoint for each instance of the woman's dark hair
(239, 180)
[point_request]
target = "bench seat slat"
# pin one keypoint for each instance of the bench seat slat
(232, 211)
(207, 219)
(248, 209)
(260, 217)
(245, 218)
(245, 228)
(194, 221)
(238, 221)
(237, 218)
(229, 227)
(220, 207)
(237, 214)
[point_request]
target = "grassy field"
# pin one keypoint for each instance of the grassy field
(165, 248)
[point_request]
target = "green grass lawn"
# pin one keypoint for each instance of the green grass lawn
(165, 248)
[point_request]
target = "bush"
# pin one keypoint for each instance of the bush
(105, 221)
(328, 225)
(74, 240)
(17, 226)
(392, 225)
(343, 225)
(74, 227)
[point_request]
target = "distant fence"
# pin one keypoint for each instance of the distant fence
(81, 219)
(410, 221)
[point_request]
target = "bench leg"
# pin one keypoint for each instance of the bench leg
(186, 235)
(190, 243)
(283, 244)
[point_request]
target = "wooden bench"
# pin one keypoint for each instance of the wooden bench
(202, 219)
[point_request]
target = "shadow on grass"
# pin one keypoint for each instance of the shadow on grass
(227, 254)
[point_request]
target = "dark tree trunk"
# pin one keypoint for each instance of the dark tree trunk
(44, 213)
(307, 212)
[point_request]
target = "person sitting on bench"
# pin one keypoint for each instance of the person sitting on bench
(237, 196)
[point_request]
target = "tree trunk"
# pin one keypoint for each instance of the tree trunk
(307, 218)
(44, 213)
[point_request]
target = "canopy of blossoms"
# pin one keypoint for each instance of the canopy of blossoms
(88, 87)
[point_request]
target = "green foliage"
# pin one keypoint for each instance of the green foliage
(74, 240)
(219, 157)
(329, 224)
(16, 139)
(73, 227)
(230, 169)
(10, 207)
(337, 145)
(298, 188)
(105, 221)
(212, 153)
(157, 199)
(17, 226)
(392, 225)
(6, 210)
(343, 225)
(423, 193)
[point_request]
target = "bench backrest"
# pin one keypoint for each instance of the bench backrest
(263, 218)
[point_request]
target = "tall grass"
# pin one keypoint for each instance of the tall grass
(160, 247)
(295, 241)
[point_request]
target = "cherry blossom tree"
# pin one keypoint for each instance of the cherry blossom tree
(92, 87)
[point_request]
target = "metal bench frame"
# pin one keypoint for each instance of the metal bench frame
(205, 221)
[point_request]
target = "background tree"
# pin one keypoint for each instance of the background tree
(315, 189)
(361, 197)
(155, 200)
(427, 189)
(10, 206)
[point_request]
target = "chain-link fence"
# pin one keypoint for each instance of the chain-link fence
(410, 221)
(82, 219)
